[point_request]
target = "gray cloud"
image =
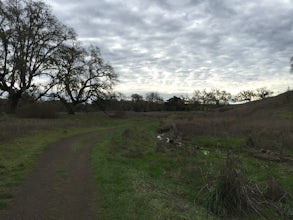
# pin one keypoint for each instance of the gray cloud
(176, 47)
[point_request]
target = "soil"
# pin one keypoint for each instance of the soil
(61, 186)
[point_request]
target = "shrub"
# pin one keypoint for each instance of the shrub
(228, 196)
(118, 114)
(233, 195)
(37, 110)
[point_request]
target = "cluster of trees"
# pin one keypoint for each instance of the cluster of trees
(40, 56)
(201, 100)
(151, 102)
(214, 96)
(221, 97)
(248, 95)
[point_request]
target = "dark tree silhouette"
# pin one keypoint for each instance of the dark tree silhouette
(175, 104)
(154, 97)
(29, 36)
(136, 97)
(214, 96)
(245, 95)
(263, 93)
(197, 97)
(82, 76)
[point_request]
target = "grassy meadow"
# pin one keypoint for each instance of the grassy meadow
(188, 165)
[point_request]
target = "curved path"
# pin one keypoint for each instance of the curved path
(61, 186)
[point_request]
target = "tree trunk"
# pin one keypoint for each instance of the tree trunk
(69, 107)
(13, 100)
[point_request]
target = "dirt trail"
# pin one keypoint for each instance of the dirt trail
(61, 187)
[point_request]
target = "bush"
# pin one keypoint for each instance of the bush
(229, 196)
(233, 195)
(37, 110)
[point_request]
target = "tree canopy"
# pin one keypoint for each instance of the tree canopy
(29, 37)
(37, 56)
(82, 75)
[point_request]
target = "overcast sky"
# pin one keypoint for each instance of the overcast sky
(177, 46)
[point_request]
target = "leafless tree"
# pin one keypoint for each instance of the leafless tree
(245, 95)
(214, 96)
(29, 36)
(82, 75)
(136, 97)
(154, 97)
(263, 93)
(197, 97)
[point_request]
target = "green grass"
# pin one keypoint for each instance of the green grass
(285, 114)
(207, 141)
(5, 195)
(138, 183)
(3, 204)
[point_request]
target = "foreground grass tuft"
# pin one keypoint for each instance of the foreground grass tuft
(230, 194)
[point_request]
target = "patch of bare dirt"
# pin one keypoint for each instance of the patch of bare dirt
(61, 186)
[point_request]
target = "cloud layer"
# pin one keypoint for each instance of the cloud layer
(175, 47)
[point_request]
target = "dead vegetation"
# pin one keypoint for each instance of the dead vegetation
(265, 124)
(12, 127)
(38, 110)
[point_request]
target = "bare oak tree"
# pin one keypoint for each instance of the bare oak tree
(263, 93)
(214, 96)
(82, 75)
(136, 97)
(29, 36)
(246, 95)
(154, 97)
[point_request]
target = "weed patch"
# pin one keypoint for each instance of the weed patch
(132, 142)
(5, 195)
(207, 141)
(230, 194)
(3, 205)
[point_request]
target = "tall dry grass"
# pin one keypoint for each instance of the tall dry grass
(270, 128)
(12, 127)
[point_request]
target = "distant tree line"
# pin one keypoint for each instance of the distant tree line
(200, 100)
(40, 56)
(221, 97)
